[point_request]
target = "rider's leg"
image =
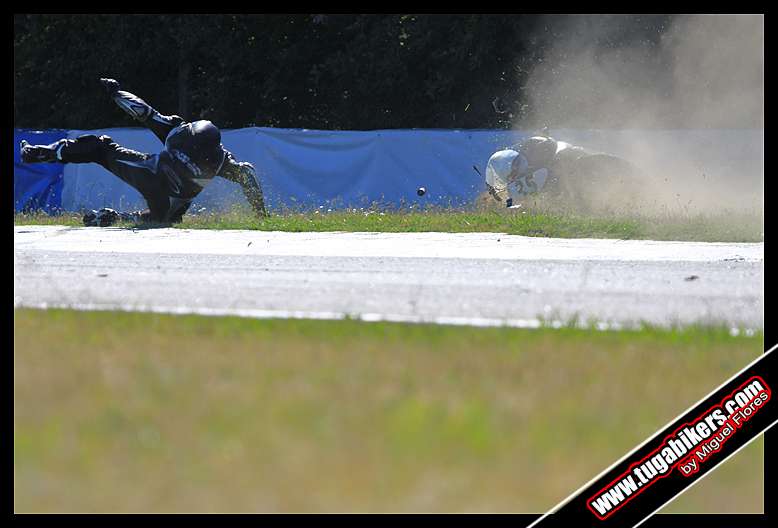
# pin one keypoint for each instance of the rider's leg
(90, 149)
(137, 169)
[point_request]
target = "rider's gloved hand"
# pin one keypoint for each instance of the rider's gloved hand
(248, 170)
(111, 86)
(251, 188)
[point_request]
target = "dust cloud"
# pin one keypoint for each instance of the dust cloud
(685, 105)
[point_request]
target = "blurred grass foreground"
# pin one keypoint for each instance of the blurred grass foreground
(134, 412)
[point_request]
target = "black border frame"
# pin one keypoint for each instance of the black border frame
(656, 521)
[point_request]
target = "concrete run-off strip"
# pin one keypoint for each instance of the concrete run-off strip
(346, 244)
(479, 279)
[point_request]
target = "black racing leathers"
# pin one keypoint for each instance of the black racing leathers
(192, 157)
(578, 176)
(544, 152)
(168, 181)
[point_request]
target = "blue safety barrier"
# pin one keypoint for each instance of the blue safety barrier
(37, 187)
(307, 169)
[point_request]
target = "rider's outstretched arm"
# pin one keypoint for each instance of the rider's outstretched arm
(243, 173)
(141, 111)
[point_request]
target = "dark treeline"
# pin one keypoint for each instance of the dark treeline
(307, 71)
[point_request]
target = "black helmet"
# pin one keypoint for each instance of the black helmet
(200, 141)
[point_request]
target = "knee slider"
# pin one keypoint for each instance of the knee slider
(92, 141)
(87, 139)
(84, 149)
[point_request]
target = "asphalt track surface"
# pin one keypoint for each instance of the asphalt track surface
(480, 279)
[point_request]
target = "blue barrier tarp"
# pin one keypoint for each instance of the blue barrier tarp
(350, 168)
(312, 168)
(37, 187)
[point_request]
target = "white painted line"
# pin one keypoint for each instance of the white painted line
(335, 316)
(481, 322)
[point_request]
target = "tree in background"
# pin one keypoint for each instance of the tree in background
(295, 71)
